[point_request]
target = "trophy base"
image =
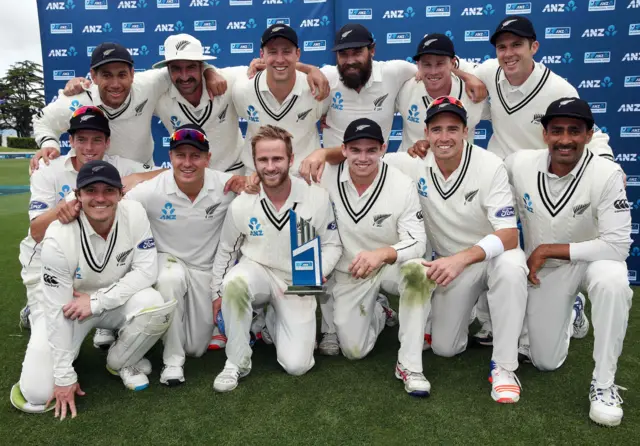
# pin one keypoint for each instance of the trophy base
(305, 290)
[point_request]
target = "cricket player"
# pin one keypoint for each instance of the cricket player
(435, 58)
(258, 226)
(186, 206)
(380, 224)
(577, 225)
(128, 104)
(96, 271)
(50, 185)
(470, 220)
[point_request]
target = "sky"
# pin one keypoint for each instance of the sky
(19, 32)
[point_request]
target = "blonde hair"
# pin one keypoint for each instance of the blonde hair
(272, 132)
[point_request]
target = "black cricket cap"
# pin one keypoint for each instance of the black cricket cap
(446, 104)
(514, 24)
(189, 134)
(437, 44)
(363, 128)
(98, 171)
(279, 30)
(352, 35)
(89, 118)
(109, 52)
(568, 108)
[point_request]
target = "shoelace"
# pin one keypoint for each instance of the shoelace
(614, 396)
(510, 373)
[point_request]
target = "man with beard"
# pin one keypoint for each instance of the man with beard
(577, 227)
(258, 227)
(436, 59)
(186, 206)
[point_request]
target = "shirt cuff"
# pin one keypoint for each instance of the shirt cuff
(65, 376)
(582, 251)
(96, 307)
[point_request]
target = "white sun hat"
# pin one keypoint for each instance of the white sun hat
(182, 47)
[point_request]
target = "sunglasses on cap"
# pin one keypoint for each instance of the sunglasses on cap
(189, 135)
(446, 100)
(85, 109)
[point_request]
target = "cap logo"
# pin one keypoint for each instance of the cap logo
(346, 33)
(277, 28)
(429, 42)
(444, 104)
(568, 101)
(86, 118)
(182, 45)
(509, 22)
(96, 169)
(105, 53)
(362, 127)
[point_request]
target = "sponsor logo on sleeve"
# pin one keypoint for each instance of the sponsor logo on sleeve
(147, 244)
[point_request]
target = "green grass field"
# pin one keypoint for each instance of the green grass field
(337, 402)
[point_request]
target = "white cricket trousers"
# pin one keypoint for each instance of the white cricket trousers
(359, 318)
(549, 314)
(504, 278)
(192, 325)
(291, 319)
(36, 379)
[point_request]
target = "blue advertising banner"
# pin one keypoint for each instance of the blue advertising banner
(594, 44)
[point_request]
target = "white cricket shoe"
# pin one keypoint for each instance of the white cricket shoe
(579, 321)
(414, 382)
(606, 405)
(103, 338)
(392, 316)
(133, 378)
(144, 365)
(524, 355)
(484, 337)
(266, 336)
(427, 342)
(227, 380)
(218, 340)
(24, 318)
(505, 386)
(172, 375)
(329, 345)
(19, 402)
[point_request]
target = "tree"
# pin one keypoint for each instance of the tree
(21, 97)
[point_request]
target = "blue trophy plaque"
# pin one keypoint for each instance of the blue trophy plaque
(306, 257)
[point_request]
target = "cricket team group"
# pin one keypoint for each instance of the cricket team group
(198, 256)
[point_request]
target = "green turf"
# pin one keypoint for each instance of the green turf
(14, 172)
(12, 149)
(337, 402)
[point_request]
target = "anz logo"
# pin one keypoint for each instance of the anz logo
(249, 24)
(627, 157)
(255, 228)
(315, 23)
(399, 13)
(565, 58)
(132, 4)
(479, 10)
(168, 212)
(560, 7)
(97, 29)
(60, 6)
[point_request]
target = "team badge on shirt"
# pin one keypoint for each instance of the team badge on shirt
(337, 101)
(528, 204)
(255, 228)
(377, 104)
(208, 212)
(252, 114)
(537, 118)
(468, 197)
(175, 122)
(422, 187)
(303, 115)
(580, 208)
(379, 219)
(168, 212)
(223, 114)
(122, 257)
(413, 114)
(140, 107)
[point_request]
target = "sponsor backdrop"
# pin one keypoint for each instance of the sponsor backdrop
(594, 44)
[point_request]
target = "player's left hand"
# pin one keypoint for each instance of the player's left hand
(235, 184)
(65, 396)
(535, 262)
(444, 270)
(419, 149)
(255, 66)
(252, 185)
(475, 89)
(215, 82)
(216, 305)
(365, 263)
(79, 308)
(318, 83)
(76, 86)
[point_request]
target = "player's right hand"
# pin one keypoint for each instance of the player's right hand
(255, 66)
(46, 154)
(311, 167)
(68, 211)
(65, 396)
(419, 149)
(252, 185)
(76, 86)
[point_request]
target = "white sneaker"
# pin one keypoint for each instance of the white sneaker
(329, 345)
(392, 316)
(414, 382)
(133, 378)
(144, 365)
(427, 342)
(524, 355)
(484, 337)
(266, 336)
(103, 338)
(172, 375)
(24, 318)
(606, 405)
(579, 321)
(505, 386)
(227, 380)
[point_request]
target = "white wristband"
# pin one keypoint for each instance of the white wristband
(491, 245)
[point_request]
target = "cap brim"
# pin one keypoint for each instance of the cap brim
(512, 31)
(355, 138)
(88, 126)
(163, 63)
(262, 44)
(98, 179)
(434, 52)
(348, 45)
(545, 119)
(104, 62)
(456, 111)
(189, 142)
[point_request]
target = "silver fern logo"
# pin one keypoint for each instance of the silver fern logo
(303, 115)
(580, 209)
(379, 219)
(468, 197)
(223, 114)
(377, 104)
(140, 107)
(122, 257)
(182, 45)
(208, 212)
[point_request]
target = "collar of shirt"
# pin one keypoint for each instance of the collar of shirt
(209, 184)
(346, 176)
(545, 162)
(68, 162)
(456, 89)
(93, 235)
(527, 86)
(297, 87)
(431, 162)
(204, 97)
(376, 74)
(97, 100)
(296, 195)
